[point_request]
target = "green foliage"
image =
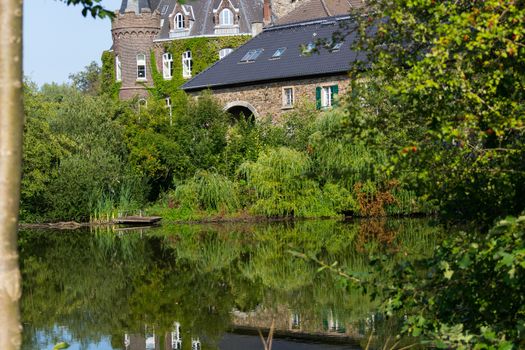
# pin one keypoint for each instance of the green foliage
(88, 81)
(43, 150)
(341, 199)
(451, 77)
(296, 126)
(455, 300)
(108, 83)
(149, 138)
(74, 155)
(281, 187)
(61, 345)
(205, 52)
(207, 191)
(244, 141)
(91, 7)
(201, 135)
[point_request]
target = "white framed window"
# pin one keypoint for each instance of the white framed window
(178, 21)
(226, 18)
(186, 64)
(141, 66)
(118, 69)
(225, 52)
(326, 96)
(167, 65)
(288, 97)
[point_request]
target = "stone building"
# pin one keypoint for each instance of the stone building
(153, 39)
(269, 74)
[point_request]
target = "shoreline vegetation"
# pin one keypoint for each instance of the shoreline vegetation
(90, 158)
(214, 218)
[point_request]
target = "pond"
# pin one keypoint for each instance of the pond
(208, 286)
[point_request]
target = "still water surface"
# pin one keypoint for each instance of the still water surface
(199, 287)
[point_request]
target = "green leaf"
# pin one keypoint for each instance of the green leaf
(61, 345)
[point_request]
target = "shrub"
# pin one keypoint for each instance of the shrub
(207, 191)
(281, 186)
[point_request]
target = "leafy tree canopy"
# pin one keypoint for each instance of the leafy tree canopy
(449, 80)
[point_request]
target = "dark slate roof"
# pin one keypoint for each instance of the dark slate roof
(292, 65)
(313, 9)
(138, 5)
(249, 11)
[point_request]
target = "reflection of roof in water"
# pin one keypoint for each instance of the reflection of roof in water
(242, 340)
(233, 341)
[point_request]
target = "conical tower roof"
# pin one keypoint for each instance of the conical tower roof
(136, 6)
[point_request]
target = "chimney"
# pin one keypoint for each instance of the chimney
(257, 27)
(267, 12)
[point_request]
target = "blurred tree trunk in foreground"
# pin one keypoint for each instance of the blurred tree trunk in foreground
(11, 126)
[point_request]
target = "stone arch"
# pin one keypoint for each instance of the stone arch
(237, 107)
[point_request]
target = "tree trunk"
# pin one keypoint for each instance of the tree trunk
(11, 127)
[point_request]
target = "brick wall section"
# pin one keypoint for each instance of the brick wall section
(134, 34)
(267, 98)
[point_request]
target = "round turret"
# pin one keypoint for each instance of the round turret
(133, 31)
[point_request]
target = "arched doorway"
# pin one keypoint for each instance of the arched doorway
(240, 109)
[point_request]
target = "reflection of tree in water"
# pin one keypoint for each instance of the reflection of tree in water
(68, 280)
(101, 283)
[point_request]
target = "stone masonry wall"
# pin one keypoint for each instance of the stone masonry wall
(282, 7)
(267, 98)
(134, 34)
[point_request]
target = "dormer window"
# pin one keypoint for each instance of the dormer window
(226, 18)
(179, 21)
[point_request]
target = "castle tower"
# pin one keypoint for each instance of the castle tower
(133, 30)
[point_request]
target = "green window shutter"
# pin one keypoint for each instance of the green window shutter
(318, 97)
(334, 91)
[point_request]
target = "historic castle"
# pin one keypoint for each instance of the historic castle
(248, 52)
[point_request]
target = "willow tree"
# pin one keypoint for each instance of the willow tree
(11, 126)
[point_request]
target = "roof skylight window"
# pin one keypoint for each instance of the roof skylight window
(337, 46)
(279, 52)
(252, 55)
(307, 50)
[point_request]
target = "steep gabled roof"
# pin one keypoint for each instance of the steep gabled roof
(313, 9)
(249, 11)
(292, 64)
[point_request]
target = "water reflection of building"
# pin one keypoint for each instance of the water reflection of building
(152, 341)
(326, 326)
(296, 323)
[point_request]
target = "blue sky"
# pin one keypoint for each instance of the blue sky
(59, 41)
